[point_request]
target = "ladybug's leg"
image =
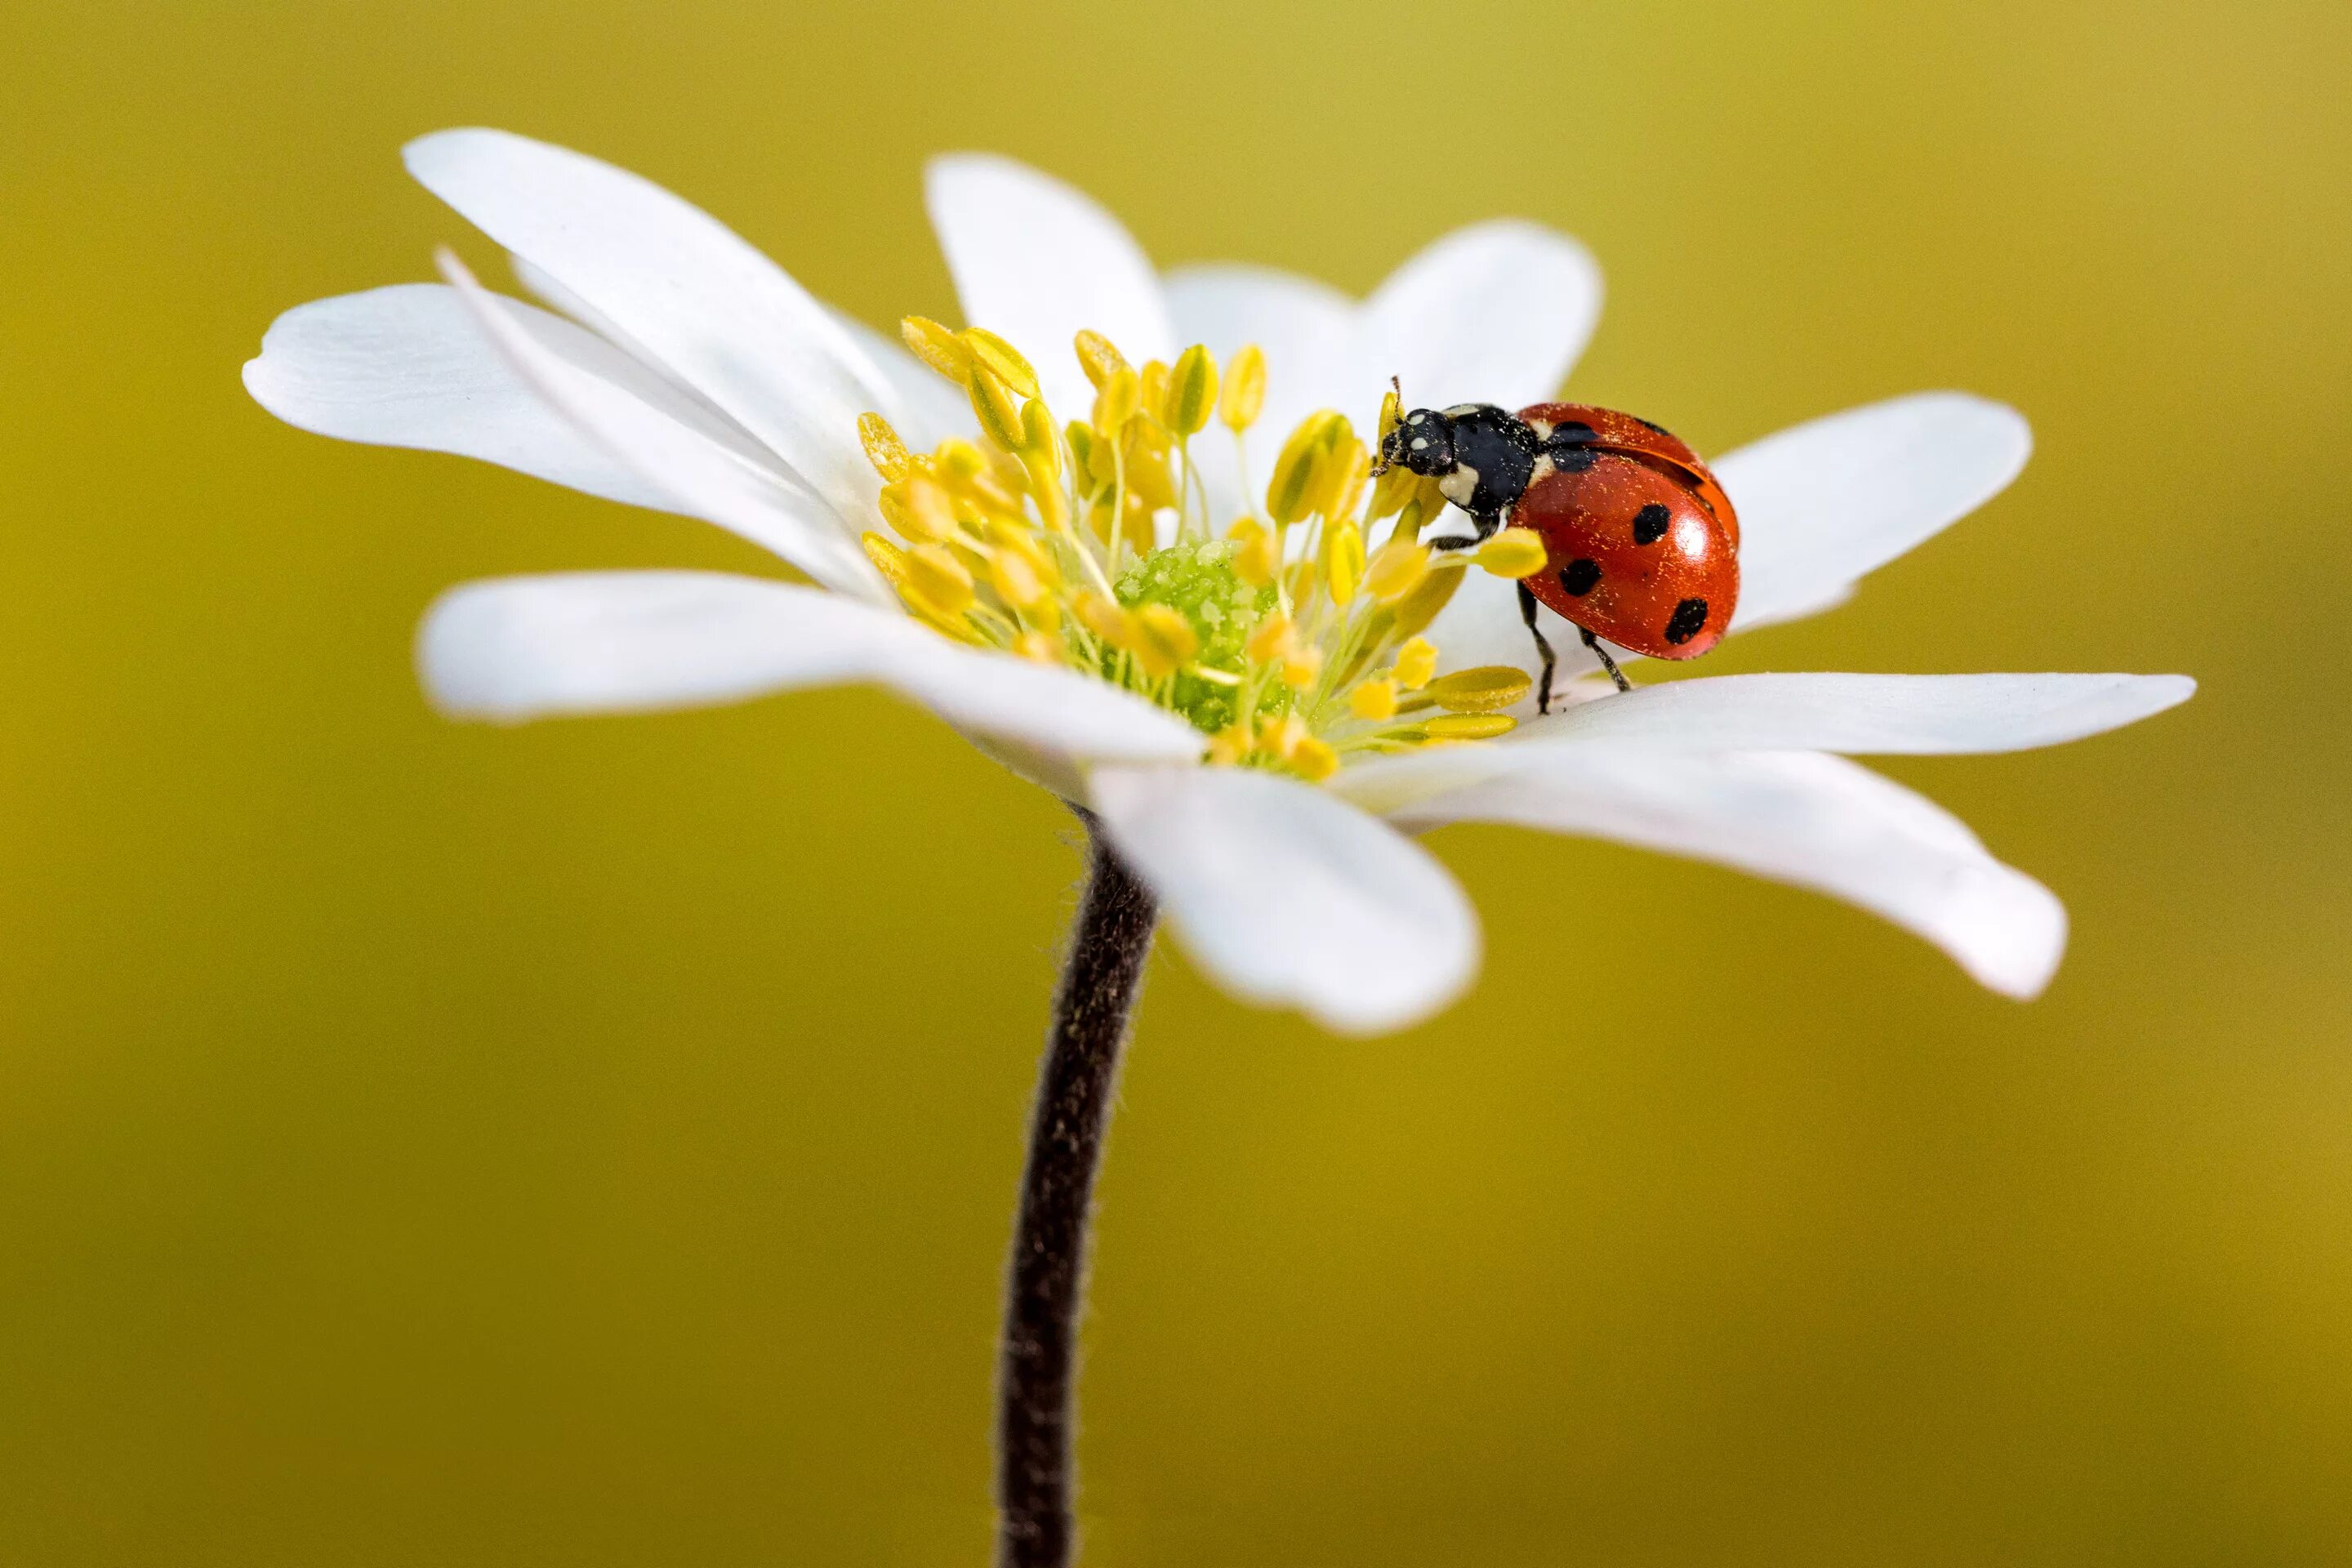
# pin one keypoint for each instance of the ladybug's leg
(1601, 653)
(1543, 647)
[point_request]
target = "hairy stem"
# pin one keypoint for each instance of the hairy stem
(1045, 1292)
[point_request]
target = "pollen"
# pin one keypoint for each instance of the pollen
(1282, 635)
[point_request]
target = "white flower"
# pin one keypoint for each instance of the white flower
(681, 370)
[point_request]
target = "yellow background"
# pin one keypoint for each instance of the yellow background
(593, 1144)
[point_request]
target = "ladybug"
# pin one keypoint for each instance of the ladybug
(1641, 545)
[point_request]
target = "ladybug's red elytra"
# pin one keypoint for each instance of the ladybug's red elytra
(1642, 547)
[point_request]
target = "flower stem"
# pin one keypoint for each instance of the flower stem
(1047, 1284)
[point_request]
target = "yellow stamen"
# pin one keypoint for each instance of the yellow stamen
(1374, 700)
(1245, 392)
(993, 403)
(1416, 661)
(1100, 358)
(1343, 563)
(1301, 666)
(1391, 413)
(1230, 745)
(937, 347)
(1001, 358)
(1038, 647)
(1313, 760)
(1283, 740)
(1291, 495)
(1274, 636)
(1116, 400)
(1108, 620)
(1257, 557)
(940, 583)
(1165, 640)
(1015, 580)
(889, 559)
(883, 449)
(1513, 553)
(1419, 607)
(1339, 477)
(921, 509)
(1395, 570)
(1192, 393)
(1470, 726)
(1484, 690)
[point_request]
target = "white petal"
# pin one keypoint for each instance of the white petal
(516, 649)
(1880, 714)
(1492, 313)
(1036, 261)
(1289, 896)
(681, 285)
(705, 478)
(1306, 329)
(406, 366)
(1827, 502)
(1815, 821)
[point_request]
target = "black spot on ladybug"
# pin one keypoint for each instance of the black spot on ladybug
(1572, 460)
(1650, 526)
(1579, 575)
(1685, 623)
(1573, 432)
(1651, 425)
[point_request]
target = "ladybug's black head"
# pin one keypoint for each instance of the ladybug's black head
(1423, 441)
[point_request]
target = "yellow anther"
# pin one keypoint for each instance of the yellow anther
(1015, 534)
(1038, 448)
(888, 558)
(921, 509)
(1245, 392)
(1015, 580)
(1001, 357)
(1038, 647)
(1513, 553)
(993, 404)
(1153, 385)
(1416, 661)
(1395, 570)
(1301, 666)
(1488, 689)
(1343, 562)
(1165, 641)
(1116, 402)
(1283, 740)
(937, 581)
(1081, 438)
(1147, 469)
(1313, 760)
(1396, 486)
(1413, 613)
(1255, 555)
(1392, 413)
(1230, 745)
(1292, 494)
(1339, 477)
(883, 449)
(1100, 358)
(1470, 726)
(1113, 623)
(1373, 699)
(1191, 393)
(1273, 638)
(937, 347)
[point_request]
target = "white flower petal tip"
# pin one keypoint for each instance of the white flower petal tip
(406, 366)
(1823, 503)
(1882, 715)
(1290, 897)
(519, 648)
(1801, 817)
(1037, 261)
(1497, 313)
(681, 287)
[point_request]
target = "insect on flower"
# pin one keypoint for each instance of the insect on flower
(1641, 546)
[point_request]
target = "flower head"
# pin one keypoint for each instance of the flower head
(1123, 531)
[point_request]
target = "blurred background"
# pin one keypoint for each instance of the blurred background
(594, 1143)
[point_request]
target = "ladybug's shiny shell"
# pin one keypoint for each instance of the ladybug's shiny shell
(1641, 545)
